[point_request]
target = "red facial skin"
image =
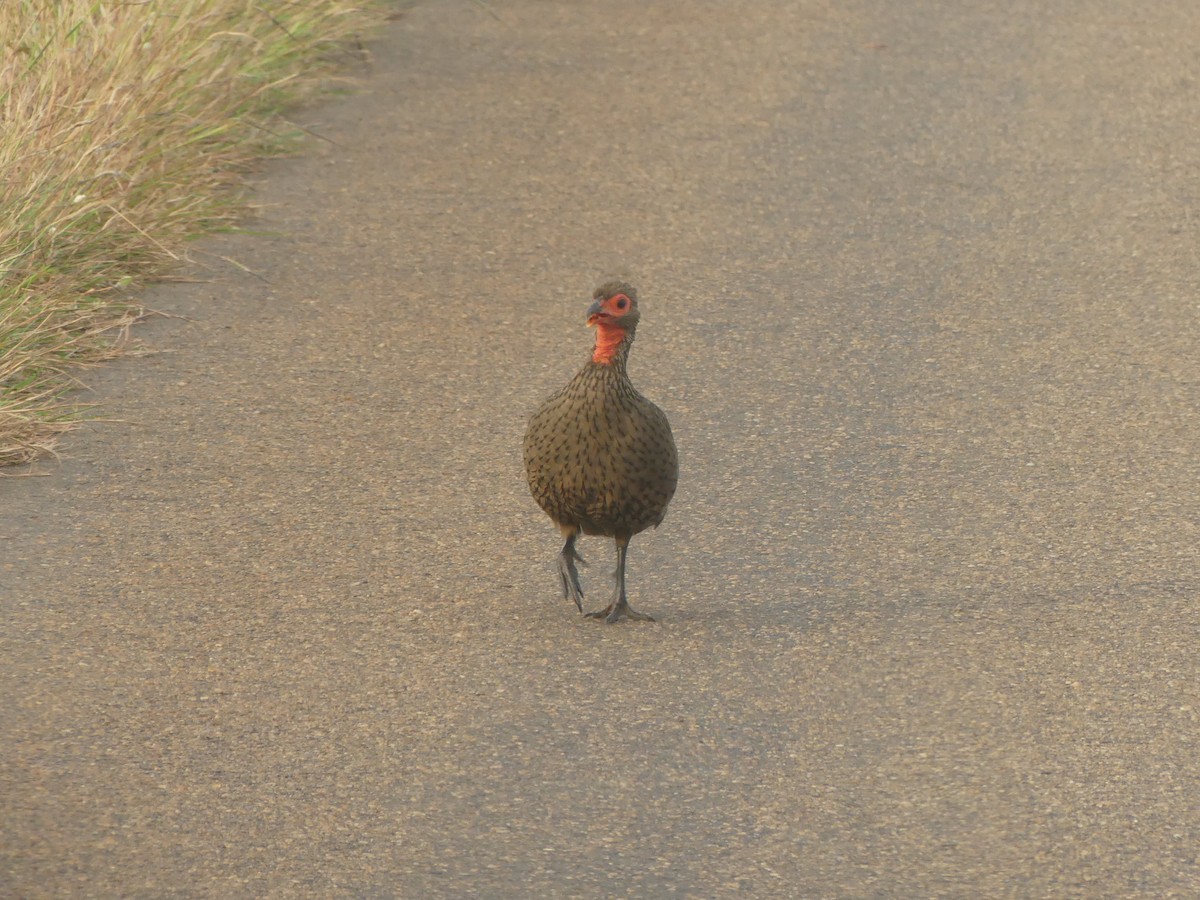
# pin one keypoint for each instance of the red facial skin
(609, 331)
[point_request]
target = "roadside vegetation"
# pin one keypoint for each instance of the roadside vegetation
(125, 126)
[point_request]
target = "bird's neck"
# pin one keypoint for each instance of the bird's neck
(612, 345)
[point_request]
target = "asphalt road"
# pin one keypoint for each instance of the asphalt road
(919, 294)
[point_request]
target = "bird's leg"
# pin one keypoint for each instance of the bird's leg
(567, 572)
(619, 607)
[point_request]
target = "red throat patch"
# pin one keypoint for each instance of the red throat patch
(608, 338)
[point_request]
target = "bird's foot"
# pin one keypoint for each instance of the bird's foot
(569, 576)
(618, 610)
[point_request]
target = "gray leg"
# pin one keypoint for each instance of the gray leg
(619, 607)
(568, 574)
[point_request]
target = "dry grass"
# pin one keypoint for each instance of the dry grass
(123, 128)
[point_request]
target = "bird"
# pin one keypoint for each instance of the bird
(599, 457)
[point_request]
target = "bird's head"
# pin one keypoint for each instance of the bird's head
(614, 314)
(614, 305)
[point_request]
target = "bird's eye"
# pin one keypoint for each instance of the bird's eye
(622, 302)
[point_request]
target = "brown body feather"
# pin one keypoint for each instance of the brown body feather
(599, 456)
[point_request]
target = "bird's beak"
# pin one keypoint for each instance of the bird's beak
(595, 313)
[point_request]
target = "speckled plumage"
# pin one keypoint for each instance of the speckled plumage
(600, 457)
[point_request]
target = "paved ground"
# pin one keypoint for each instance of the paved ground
(920, 297)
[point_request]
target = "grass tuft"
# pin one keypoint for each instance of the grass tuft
(125, 127)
